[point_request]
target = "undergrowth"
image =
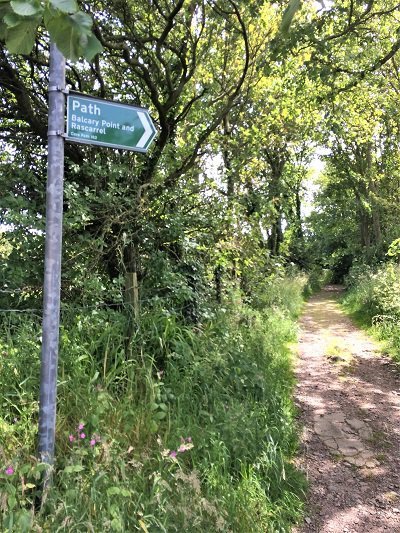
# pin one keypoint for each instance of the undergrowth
(172, 428)
(373, 300)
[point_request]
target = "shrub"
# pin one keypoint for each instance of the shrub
(374, 296)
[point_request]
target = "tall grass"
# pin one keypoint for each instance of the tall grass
(373, 298)
(181, 428)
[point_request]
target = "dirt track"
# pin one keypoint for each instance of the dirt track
(348, 395)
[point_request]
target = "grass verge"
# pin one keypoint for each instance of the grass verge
(373, 302)
(179, 429)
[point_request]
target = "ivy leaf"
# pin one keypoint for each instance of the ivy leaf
(288, 15)
(66, 6)
(20, 37)
(25, 8)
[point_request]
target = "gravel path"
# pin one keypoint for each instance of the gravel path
(348, 395)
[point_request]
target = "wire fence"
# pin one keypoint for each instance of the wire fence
(100, 305)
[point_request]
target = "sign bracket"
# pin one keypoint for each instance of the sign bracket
(58, 133)
(58, 88)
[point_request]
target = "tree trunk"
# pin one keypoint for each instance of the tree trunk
(365, 230)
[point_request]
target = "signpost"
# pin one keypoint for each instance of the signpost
(105, 123)
(52, 261)
(89, 121)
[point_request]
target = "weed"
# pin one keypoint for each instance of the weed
(379, 439)
(338, 353)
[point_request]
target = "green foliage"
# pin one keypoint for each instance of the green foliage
(376, 290)
(394, 249)
(374, 298)
(316, 279)
(69, 27)
(205, 442)
(5, 246)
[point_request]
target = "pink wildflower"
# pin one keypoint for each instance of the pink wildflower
(71, 438)
(9, 471)
(82, 435)
(173, 454)
(92, 442)
(81, 426)
(182, 448)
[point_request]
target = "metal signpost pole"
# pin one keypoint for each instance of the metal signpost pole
(52, 275)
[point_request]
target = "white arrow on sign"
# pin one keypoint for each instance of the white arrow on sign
(148, 131)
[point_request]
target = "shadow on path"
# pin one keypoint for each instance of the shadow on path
(349, 402)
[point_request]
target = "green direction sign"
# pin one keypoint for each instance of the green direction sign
(105, 123)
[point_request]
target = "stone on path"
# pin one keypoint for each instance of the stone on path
(340, 435)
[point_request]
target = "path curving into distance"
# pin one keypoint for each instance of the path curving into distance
(348, 396)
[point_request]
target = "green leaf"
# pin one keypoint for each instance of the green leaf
(92, 48)
(11, 19)
(49, 14)
(26, 8)
(72, 33)
(69, 32)
(24, 520)
(4, 10)
(66, 6)
(3, 31)
(11, 502)
(111, 491)
(82, 20)
(153, 426)
(73, 468)
(24, 469)
(64, 35)
(21, 38)
(288, 15)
